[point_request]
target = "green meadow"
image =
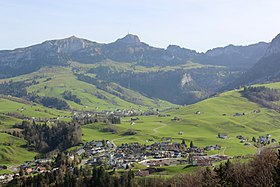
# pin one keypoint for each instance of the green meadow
(53, 81)
(15, 153)
(12, 108)
(217, 115)
(200, 122)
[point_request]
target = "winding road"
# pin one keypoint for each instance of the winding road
(112, 141)
(156, 129)
(224, 150)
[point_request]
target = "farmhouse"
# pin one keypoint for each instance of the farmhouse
(202, 161)
(166, 139)
(143, 173)
(222, 135)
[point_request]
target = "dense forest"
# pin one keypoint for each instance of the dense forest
(53, 102)
(262, 95)
(262, 170)
(68, 95)
(17, 89)
(44, 138)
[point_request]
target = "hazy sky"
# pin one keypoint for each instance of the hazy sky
(194, 24)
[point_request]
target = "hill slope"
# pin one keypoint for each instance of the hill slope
(220, 114)
(13, 110)
(128, 49)
(267, 69)
(220, 66)
(93, 95)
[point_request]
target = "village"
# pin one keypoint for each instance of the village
(166, 152)
(125, 156)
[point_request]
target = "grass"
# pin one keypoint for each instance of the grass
(217, 116)
(62, 79)
(23, 108)
(16, 153)
(126, 67)
(177, 169)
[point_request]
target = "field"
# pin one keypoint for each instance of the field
(200, 122)
(52, 82)
(12, 109)
(15, 153)
(217, 115)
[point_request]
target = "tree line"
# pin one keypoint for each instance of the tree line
(44, 138)
(18, 89)
(263, 96)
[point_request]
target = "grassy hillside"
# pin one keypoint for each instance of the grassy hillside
(217, 115)
(52, 82)
(13, 110)
(14, 153)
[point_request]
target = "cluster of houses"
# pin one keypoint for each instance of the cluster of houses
(104, 152)
(264, 140)
(37, 166)
(29, 167)
(94, 147)
(118, 113)
(243, 140)
(207, 160)
(212, 147)
(163, 162)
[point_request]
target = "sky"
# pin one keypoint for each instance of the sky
(193, 24)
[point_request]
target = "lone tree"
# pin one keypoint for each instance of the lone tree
(183, 142)
(191, 144)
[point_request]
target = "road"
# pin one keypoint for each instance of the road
(112, 141)
(224, 150)
(156, 129)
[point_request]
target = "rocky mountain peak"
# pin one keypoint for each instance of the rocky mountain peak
(274, 46)
(70, 44)
(129, 39)
(173, 48)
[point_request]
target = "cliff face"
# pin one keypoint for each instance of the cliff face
(274, 46)
(267, 69)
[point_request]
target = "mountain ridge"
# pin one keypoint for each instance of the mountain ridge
(267, 69)
(126, 49)
(165, 69)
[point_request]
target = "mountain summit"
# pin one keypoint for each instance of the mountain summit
(274, 46)
(128, 49)
(129, 39)
(70, 44)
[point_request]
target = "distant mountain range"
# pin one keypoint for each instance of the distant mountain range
(267, 69)
(217, 69)
(127, 49)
